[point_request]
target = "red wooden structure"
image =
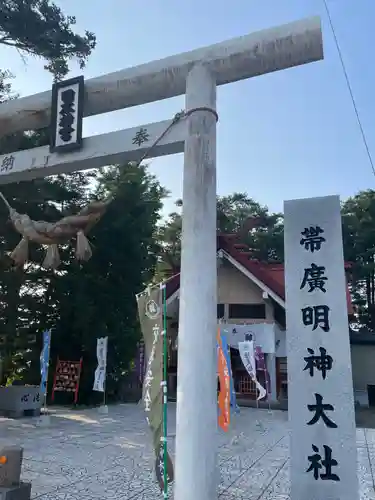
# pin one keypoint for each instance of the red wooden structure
(67, 377)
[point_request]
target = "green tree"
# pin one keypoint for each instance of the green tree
(359, 249)
(260, 230)
(5, 86)
(235, 209)
(40, 28)
(169, 237)
(97, 298)
(28, 305)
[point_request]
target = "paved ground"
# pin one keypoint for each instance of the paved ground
(87, 456)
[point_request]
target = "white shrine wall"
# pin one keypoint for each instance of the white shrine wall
(235, 288)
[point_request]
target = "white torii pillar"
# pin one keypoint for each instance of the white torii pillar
(197, 73)
(196, 370)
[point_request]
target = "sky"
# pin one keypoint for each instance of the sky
(285, 135)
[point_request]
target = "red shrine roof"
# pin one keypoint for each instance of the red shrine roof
(271, 275)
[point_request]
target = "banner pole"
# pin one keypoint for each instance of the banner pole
(47, 371)
(165, 389)
(105, 374)
(265, 371)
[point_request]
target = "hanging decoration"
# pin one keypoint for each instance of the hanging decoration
(226, 351)
(52, 234)
(247, 354)
(44, 362)
(224, 379)
(101, 369)
(152, 315)
(260, 363)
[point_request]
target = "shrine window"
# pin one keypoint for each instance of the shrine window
(247, 311)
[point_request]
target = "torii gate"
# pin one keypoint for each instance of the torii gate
(196, 73)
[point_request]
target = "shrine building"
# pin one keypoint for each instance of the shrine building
(251, 300)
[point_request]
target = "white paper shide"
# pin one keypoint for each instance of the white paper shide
(100, 372)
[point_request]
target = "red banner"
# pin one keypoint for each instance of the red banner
(67, 377)
(224, 379)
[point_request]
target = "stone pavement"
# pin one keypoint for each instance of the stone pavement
(88, 456)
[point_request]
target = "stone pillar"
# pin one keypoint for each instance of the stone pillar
(11, 487)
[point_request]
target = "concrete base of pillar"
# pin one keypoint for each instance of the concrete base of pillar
(21, 491)
(44, 420)
(103, 409)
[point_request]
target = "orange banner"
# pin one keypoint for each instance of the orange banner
(224, 394)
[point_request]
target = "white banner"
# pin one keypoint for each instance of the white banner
(100, 372)
(247, 354)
